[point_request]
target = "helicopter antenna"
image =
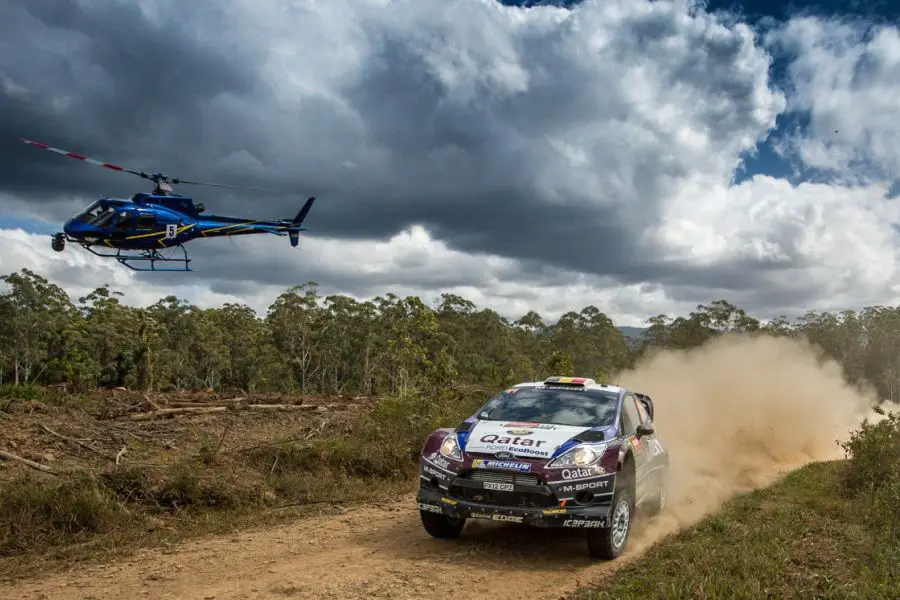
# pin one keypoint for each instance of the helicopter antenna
(161, 181)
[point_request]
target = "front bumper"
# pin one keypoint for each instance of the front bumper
(595, 515)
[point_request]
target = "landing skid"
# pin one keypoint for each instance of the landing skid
(145, 256)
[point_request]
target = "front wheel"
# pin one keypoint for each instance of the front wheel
(608, 543)
(441, 526)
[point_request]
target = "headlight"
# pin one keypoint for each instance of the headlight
(450, 448)
(579, 456)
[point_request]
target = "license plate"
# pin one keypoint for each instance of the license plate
(503, 487)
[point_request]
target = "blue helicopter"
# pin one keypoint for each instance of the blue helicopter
(152, 228)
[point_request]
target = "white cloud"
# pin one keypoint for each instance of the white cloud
(827, 246)
(846, 76)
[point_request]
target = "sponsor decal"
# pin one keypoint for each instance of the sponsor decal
(521, 450)
(449, 501)
(583, 523)
(636, 443)
(479, 515)
(493, 485)
(507, 518)
(430, 508)
(509, 465)
(432, 471)
(599, 484)
(554, 511)
(578, 473)
(490, 437)
(514, 440)
(519, 431)
(440, 461)
(529, 425)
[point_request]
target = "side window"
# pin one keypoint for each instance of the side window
(630, 416)
(124, 221)
(146, 222)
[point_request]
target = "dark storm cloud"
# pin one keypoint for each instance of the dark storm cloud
(458, 134)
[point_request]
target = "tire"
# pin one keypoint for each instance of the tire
(608, 543)
(658, 503)
(441, 526)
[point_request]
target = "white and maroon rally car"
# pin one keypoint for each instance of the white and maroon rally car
(564, 452)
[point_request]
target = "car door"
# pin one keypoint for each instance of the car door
(657, 456)
(631, 418)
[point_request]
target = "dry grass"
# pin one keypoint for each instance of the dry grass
(190, 475)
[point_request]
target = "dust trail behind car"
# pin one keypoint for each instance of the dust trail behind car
(736, 413)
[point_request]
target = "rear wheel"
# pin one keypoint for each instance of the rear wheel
(608, 543)
(441, 526)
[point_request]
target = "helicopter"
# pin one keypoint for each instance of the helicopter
(152, 228)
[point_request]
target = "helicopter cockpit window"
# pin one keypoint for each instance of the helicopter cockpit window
(89, 214)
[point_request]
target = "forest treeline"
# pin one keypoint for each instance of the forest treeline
(337, 345)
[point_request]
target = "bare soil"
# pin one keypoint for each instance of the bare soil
(376, 551)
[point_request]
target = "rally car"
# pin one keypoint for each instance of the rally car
(564, 452)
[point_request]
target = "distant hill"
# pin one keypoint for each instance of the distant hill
(631, 332)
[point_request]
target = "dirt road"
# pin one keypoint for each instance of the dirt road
(376, 552)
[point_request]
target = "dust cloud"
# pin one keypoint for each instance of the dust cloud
(736, 414)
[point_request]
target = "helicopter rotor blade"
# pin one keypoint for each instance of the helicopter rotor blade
(222, 185)
(157, 177)
(77, 156)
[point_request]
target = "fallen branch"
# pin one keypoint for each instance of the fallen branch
(201, 404)
(78, 442)
(25, 461)
(120, 453)
(202, 410)
(176, 411)
(150, 401)
(280, 406)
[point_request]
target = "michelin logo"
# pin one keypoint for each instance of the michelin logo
(511, 465)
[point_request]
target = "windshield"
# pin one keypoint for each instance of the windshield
(100, 213)
(89, 213)
(579, 407)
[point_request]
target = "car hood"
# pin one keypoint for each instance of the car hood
(533, 440)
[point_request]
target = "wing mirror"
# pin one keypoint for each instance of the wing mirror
(645, 429)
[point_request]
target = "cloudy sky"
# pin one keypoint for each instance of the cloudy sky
(641, 156)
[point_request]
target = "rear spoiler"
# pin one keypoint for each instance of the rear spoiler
(647, 402)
